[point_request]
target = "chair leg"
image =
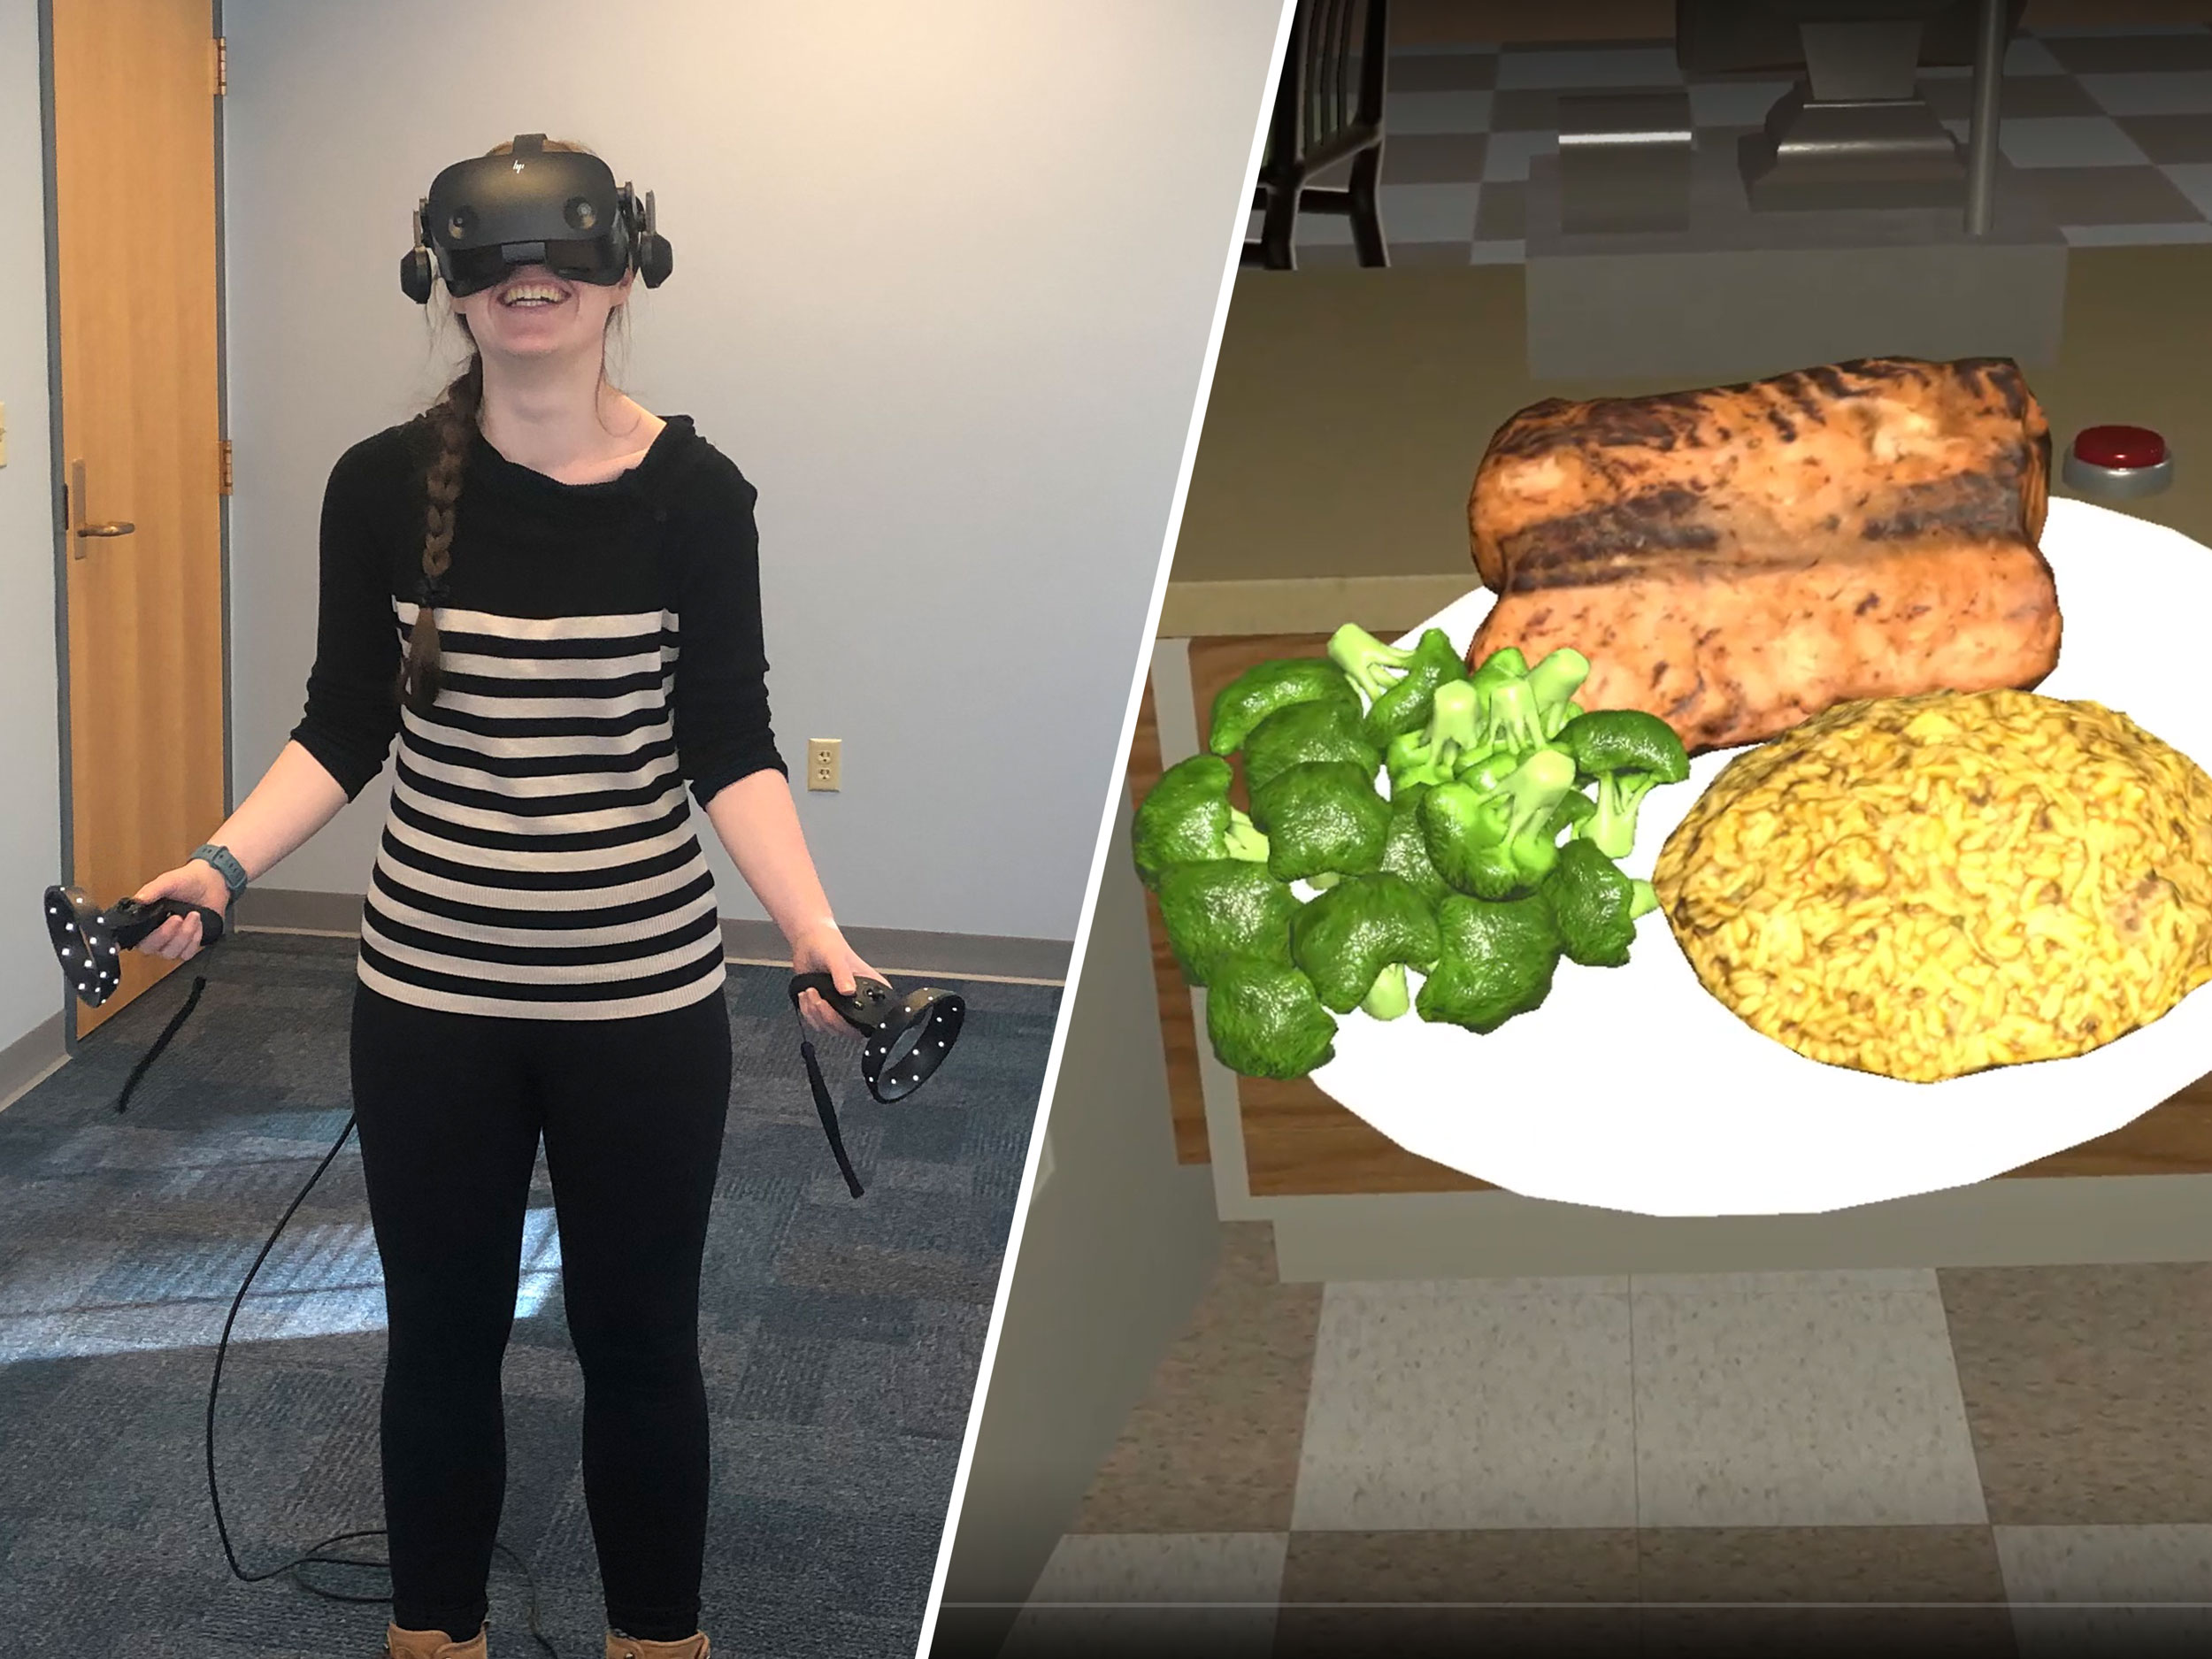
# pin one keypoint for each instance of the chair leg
(1279, 227)
(1367, 231)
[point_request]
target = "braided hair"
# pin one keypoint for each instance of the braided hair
(454, 417)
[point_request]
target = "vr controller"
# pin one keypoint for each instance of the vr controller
(905, 1042)
(88, 941)
(559, 208)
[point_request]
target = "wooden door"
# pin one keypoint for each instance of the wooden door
(134, 112)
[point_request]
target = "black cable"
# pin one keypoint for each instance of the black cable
(130, 1084)
(314, 1555)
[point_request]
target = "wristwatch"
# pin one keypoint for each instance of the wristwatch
(233, 872)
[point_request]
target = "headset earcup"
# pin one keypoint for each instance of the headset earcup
(655, 258)
(415, 274)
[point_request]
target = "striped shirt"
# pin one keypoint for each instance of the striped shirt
(601, 651)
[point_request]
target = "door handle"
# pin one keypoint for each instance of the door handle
(80, 529)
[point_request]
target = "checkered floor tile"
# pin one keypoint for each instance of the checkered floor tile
(2115, 126)
(1997, 1461)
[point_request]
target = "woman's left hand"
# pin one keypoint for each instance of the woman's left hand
(826, 951)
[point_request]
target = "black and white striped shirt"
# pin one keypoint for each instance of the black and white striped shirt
(601, 657)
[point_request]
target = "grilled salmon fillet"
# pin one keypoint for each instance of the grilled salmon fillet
(1736, 559)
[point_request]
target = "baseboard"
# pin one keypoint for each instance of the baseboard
(906, 952)
(293, 910)
(33, 1057)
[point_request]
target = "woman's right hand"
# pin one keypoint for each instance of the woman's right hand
(195, 883)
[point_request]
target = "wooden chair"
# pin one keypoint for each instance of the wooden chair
(1328, 107)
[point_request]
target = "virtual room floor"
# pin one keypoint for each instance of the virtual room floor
(2115, 126)
(1986, 1462)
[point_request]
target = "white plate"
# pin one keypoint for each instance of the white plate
(1632, 1089)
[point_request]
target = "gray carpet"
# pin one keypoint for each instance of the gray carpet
(841, 1337)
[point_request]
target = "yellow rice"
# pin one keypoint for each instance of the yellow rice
(1929, 885)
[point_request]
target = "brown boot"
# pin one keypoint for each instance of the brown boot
(431, 1644)
(621, 1646)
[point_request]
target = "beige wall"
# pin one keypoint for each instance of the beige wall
(945, 277)
(1114, 1256)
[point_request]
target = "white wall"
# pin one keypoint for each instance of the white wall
(1094, 1302)
(944, 279)
(30, 740)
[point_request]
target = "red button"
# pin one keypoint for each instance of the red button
(2120, 446)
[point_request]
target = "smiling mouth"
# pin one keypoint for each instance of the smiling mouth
(530, 297)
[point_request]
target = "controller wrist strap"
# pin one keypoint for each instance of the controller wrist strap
(826, 1111)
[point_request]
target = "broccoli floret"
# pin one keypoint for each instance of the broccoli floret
(1500, 667)
(1553, 683)
(1304, 733)
(1261, 691)
(1627, 753)
(1224, 908)
(1593, 905)
(1388, 999)
(1322, 816)
(1432, 756)
(1494, 843)
(1495, 960)
(1371, 665)
(1406, 852)
(1188, 819)
(1488, 771)
(1485, 768)
(1521, 709)
(1405, 706)
(1576, 809)
(1510, 722)
(1409, 764)
(1264, 1020)
(1344, 938)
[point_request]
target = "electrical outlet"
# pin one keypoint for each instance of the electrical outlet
(824, 768)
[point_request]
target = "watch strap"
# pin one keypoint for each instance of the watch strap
(227, 865)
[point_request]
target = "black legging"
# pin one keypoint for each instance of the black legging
(451, 1107)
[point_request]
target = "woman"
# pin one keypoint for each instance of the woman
(551, 597)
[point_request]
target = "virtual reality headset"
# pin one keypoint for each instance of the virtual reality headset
(490, 215)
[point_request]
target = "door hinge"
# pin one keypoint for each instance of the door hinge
(222, 67)
(226, 466)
